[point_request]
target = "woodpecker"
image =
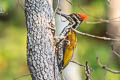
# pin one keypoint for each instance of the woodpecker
(65, 48)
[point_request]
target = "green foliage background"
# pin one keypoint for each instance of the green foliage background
(13, 40)
(89, 48)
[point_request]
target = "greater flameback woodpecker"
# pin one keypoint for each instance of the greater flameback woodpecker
(65, 48)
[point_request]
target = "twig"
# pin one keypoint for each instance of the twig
(108, 1)
(116, 53)
(99, 20)
(118, 35)
(20, 2)
(57, 8)
(87, 13)
(69, 2)
(106, 68)
(62, 76)
(87, 71)
(78, 63)
(97, 37)
(115, 18)
(25, 75)
(91, 22)
(86, 68)
(54, 67)
(22, 76)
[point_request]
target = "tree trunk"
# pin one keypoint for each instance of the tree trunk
(114, 28)
(40, 40)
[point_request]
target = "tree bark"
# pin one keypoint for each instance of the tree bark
(40, 40)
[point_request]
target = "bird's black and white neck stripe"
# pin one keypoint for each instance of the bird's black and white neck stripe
(74, 22)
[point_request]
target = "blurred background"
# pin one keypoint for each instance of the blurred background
(13, 38)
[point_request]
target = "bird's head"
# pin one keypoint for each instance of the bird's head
(75, 19)
(82, 16)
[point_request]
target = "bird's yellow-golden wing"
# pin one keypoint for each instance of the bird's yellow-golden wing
(69, 47)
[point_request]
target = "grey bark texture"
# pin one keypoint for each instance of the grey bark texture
(40, 40)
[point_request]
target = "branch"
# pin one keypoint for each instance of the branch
(97, 37)
(87, 71)
(69, 2)
(58, 6)
(78, 63)
(86, 68)
(112, 34)
(20, 3)
(99, 20)
(22, 76)
(91, 22)
(114, 52)
(108, 1)
(105, 67)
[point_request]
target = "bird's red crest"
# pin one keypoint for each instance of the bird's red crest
(83, 16)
